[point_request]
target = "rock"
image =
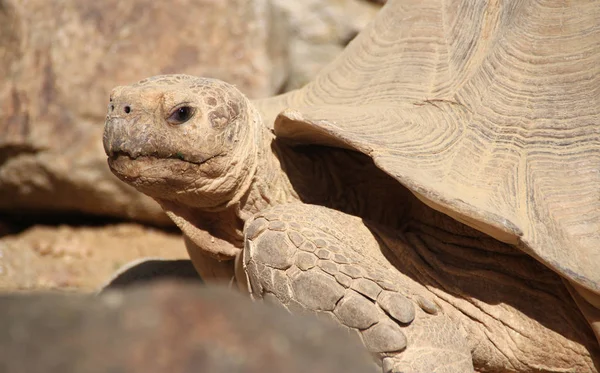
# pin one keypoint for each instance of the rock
(79, 258)
(319, 31)
(59, 59)
(168, 327)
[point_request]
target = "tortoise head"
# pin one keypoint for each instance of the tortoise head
(182, 139)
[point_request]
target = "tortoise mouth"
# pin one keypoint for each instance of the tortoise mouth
(149, 172)
(155, 166)
(178, 156)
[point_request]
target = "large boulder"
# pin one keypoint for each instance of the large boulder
(169, 328)
(59, 59)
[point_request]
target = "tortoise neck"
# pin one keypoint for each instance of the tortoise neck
(271, 185)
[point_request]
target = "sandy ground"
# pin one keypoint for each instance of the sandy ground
(78, 258)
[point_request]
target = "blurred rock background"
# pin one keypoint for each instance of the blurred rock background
(65, 221)
(172, 328)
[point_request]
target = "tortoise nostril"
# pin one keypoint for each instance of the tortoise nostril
(112, 107)
(127, 109)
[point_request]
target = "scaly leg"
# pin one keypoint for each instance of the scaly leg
(314, 258)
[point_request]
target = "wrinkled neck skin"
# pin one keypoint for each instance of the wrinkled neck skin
(270, 185)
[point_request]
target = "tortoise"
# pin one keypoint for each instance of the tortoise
(434, 189)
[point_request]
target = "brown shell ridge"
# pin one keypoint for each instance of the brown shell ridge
(488, 109)
(304, 126)
(414, 143)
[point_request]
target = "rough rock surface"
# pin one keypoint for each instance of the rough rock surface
(318, 31)
(168, 328)
(60, 59)
(78, 258)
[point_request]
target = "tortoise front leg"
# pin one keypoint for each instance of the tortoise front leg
(314, 258)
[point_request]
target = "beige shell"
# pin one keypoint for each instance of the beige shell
(486, 110)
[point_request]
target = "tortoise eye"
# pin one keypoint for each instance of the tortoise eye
(181, 115)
